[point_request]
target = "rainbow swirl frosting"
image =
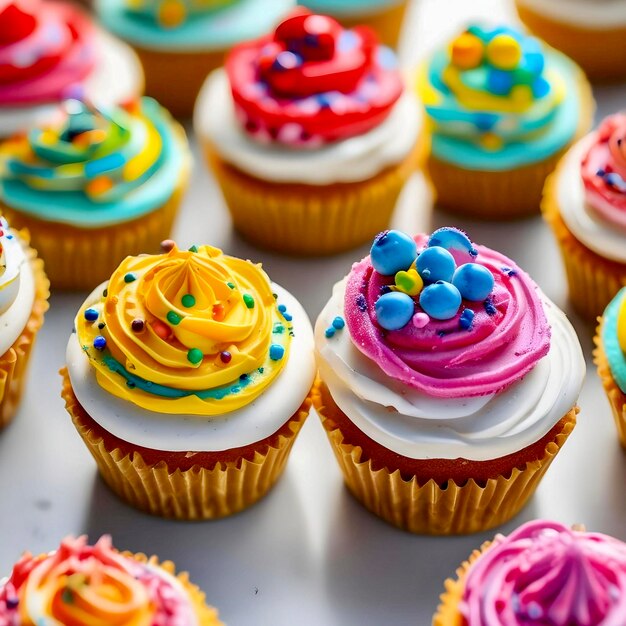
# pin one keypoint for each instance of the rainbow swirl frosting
(173, 13)
(189, 332)
(93, 166)
(46, 51)
(83, 585)
(444, 317)
(313, 82)
(497, 99)
(546, 574)
(613, 337)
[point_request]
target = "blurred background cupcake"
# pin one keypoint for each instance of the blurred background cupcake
(188, 379)
(180, 41)
(95, 185)
(448, 382)
(384, 16)
(592, 32)
(542, 573)
(80, 583)
(51, 51)
(585, 204)
(24, 291)
(311, 135)
(502, 109)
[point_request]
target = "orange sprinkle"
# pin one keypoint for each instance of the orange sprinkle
(99, 186)
(218, 312)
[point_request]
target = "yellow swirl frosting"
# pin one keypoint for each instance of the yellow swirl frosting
(186, 332)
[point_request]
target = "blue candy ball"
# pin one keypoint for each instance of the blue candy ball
(474, 282)
(499, 82)
(394, 310)
(392, 251)
(435, 263)
(441, 300)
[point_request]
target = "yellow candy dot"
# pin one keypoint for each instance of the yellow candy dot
(172, 13)
(409, 282)
(467, 51)
(48, 138)
(504, 52)
(99, 186)
(491, 141)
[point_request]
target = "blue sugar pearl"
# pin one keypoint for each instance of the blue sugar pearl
(130, 278)
(287, 317)
(330, 332)
(339, 323)
(541, 88)
(466, 319)
(474, 282)
(99, 343)
(91, 315)
(499, 82)
(435, 264)
(394, 310)
(282, 308)
(276, 352)
(392, 251)
(441, 301)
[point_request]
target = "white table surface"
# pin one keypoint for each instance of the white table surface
(308, 554)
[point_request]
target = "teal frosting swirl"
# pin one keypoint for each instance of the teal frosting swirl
(610, 343)
(348, 7)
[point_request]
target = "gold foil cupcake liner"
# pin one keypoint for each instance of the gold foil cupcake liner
(305, 220)
(617, 398)
(194, 494)
(82, 258)
(432, 508)
(592, 280)
(14, 362)
(387, 22)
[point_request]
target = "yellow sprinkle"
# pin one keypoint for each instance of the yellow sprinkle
(48, 138)
(504, 52)
(172, 13)
(491, 141)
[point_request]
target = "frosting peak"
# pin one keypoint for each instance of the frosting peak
(544, 573)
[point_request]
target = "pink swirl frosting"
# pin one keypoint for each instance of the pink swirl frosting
(46, 50)
(603, 170)
(545, 574)
(508, 335)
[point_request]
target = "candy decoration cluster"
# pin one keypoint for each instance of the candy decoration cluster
(440, 276)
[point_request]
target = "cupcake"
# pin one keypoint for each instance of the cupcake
(585, 204)
(95, 185)
(50, 51)
(448, 382)
(592, 32)
(542, 573)
(24, 292)
(502, 109)
(311, 135)
(188, 379)
(384, 16)
(180, 41)
(610, 357)
(83, 584)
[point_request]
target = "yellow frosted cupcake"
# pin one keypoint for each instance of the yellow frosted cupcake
(95, 185)
(502, 109)
(83, 584)
(24, 291)
(311, 135)
(188, 379)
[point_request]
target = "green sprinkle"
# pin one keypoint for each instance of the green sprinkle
(130, 278)
(194, 356)
(279, 329)
(248, 300)
(188, 300)
(231, 285)
(174, 318)
(193, 249)
(105, 293)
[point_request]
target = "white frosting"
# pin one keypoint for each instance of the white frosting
(116, 78)
(605, 239)
(354, 159)
(181, 433)
(607, 14)
(418, 426)
(17, 290)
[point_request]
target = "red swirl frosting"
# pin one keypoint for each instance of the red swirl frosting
(45, 51)
(312, 81)
(604, 170)
(506, 333)
(545, 574)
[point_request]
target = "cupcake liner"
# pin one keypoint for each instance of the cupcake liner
(174, 78)
(201, 492)
(617, 398)
(81, 258)
(304, 220)
(432, 508)
(587, 46)
(14, 362)
(387, 22)
(205, 614)
(507, 194)
(592, 280)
